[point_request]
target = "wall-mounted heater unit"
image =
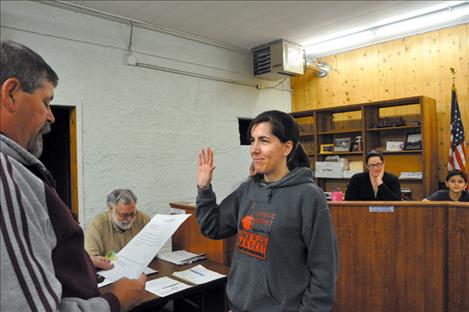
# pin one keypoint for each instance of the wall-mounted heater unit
(279, 59)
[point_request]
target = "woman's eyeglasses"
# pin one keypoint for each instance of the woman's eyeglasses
(378, 165)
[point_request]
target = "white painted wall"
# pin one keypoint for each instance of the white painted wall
(142, 128)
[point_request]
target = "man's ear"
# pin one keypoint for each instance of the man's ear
(9, 88)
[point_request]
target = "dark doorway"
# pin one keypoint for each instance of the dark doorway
(243, 125)
(56, 154)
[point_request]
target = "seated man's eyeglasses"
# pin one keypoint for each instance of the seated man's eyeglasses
(125, 215)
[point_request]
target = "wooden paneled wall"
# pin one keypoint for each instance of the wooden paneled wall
(412, 66)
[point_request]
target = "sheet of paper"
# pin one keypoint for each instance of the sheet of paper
(138, 253)
(356, 165)
(165, 286)
(198, 275)
(104, 283)
(147, 271)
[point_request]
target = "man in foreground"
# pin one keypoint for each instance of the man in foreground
(44, 266)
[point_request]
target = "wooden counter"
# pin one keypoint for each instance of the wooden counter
(412, 259)
(415, 258)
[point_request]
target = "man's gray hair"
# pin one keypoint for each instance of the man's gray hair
(123, 196)
(20, 62)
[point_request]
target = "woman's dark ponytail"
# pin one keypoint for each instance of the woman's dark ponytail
(298, 158)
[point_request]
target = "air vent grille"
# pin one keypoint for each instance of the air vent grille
(262, 61)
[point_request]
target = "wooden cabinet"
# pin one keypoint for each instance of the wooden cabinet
(370, 126)
(414, 258)
(189, 237)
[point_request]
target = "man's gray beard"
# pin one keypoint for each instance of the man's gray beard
(36, 145)
(121, 225)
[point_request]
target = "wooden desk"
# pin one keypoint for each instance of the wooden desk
(207, 297)
(413, 259)
(188, 237)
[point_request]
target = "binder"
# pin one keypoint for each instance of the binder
(180, 257)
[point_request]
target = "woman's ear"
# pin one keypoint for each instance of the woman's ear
(288, 147)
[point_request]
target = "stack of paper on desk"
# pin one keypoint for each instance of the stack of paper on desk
(165, 286)
(198, 275)
(147, 271)
(181, 257)
(138, 253)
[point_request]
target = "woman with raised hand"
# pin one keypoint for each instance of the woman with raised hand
(285, 257)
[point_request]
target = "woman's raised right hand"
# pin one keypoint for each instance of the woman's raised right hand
(205, 168)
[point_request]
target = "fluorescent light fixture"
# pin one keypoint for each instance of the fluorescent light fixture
(423, 22)
(339, 43)
(431, 18)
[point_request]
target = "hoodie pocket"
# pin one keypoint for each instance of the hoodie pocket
(248, 289)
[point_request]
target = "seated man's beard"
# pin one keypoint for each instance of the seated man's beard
(123, 225)
(36, 144)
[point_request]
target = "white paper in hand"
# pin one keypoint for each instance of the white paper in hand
(138, 253)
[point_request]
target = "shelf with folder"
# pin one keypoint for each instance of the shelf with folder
(418, 151)
(342, 131)
(399, 128)
(342, 153)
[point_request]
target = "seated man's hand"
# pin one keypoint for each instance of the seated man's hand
(101, 262)
(130, 292)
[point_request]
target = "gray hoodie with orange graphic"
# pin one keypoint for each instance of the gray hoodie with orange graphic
(286, 256)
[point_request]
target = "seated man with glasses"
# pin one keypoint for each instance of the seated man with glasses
(112, 230)
(375, 184)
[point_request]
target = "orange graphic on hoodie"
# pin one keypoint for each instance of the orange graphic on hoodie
(247, 222)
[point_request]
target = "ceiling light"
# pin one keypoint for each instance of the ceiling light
(431, 18)
(423, 22)
(339, 43)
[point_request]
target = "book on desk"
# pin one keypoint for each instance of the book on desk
(180, 257)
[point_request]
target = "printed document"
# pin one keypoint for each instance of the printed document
(198, 275)
(165, 286)
(138, 253)
(147, 271)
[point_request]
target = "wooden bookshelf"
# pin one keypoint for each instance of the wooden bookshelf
(324, 126)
